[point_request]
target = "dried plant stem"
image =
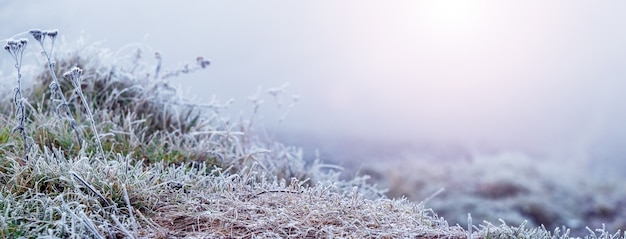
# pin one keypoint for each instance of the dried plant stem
(55, 87)
(75, 75)
(16, 49)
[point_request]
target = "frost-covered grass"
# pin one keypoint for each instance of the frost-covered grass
(113, 151)
(511, 186)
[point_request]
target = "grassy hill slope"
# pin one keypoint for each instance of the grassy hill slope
(101, 146)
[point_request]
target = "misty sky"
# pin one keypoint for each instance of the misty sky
(540, 75)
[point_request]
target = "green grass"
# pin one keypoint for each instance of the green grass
(175, 169)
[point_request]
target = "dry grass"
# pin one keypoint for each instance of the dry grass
(249, 208)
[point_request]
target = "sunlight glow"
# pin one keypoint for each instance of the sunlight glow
(449, 16)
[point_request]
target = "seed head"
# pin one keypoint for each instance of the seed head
(15, 47)
(37, 34)
(202, 62)
(12, 44)
(73, 74)
(52, 33)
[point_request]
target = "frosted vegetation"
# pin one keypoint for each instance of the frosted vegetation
(99, 145)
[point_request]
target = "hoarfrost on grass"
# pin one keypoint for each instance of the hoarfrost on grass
(171, 168)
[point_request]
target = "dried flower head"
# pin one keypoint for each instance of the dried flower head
(73, 74)
(202, 62)
(15, 45)
(37, 34)
(16, 48)
(52, 33)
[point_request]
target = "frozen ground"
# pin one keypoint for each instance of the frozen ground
(490, 184)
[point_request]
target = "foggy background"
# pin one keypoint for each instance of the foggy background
(543, 78)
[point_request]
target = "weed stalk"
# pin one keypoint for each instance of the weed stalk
(55, 87)
(16, 49)
(75, 76)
